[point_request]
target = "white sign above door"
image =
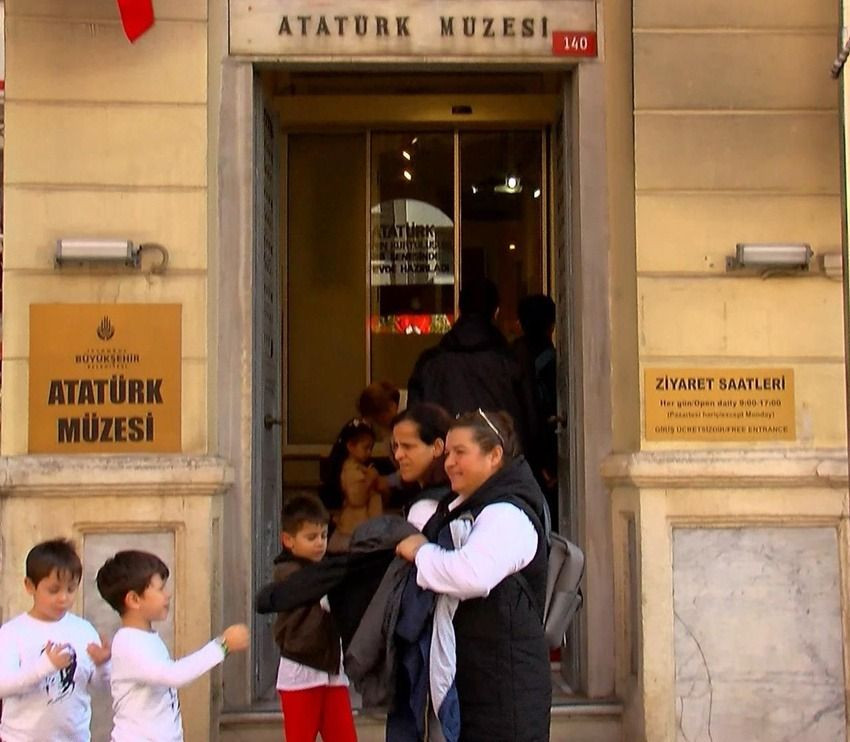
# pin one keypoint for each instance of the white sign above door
(433, 31)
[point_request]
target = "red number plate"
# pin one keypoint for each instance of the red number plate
(574, 43)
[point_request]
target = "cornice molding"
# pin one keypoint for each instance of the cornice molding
(111, 475)
(726, 469)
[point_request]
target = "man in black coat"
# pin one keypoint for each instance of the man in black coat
(473, 366)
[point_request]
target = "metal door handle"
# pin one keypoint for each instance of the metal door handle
(269, 421)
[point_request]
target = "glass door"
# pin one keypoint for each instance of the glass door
(412, 248)
(502, 216)
(380, 227)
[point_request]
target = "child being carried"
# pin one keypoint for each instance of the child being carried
(352, 482)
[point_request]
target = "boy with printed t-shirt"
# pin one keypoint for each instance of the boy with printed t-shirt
(48, 656)
(144, 677)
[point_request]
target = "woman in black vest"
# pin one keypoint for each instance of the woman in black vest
(499, 575)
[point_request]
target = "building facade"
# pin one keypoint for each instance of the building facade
(655, 167)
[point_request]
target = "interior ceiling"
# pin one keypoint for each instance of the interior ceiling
(289, 82)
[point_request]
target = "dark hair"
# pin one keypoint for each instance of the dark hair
(59, 555)
(432, 422)
(128, 571)
(536, 315)
(377, 398)
(491, 429)
(479, 297)
(331, 492)
(302, 509)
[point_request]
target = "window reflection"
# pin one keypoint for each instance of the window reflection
(502, 215)
(411, 248)
(412, 267)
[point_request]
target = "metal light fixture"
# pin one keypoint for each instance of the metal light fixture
(106, 252)
(776, 256)
(832, 265)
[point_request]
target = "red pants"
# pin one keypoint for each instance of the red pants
(325, 709)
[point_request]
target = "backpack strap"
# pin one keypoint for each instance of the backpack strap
(526, 588)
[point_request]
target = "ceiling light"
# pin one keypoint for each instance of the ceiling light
(405, 154)
(512, 246)
(475, 189)
(536, 193)
(511, 185)
(407, 175)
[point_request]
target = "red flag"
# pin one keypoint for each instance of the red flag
(137, 17)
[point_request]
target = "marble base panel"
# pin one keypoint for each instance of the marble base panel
(758, 634)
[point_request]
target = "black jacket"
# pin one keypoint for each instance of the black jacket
(503, 679)
(473, 366)
(349, 580)
(306, 634)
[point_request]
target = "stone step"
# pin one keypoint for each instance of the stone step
(585, 721)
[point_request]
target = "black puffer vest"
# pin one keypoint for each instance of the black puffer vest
(503, 679)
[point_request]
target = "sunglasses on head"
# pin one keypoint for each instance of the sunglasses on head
(489, 424)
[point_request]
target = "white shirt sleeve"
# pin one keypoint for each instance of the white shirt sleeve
(102, 675)
(17, 678)
(139, 666)
(502, 542)
(420, 512)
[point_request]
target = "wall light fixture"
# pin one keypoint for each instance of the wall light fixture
(770, 257)
(106, 252)
(86, 251)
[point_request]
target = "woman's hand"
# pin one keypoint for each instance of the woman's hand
(408, 547)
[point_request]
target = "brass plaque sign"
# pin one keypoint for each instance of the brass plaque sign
(719, 404)
(419, 30)
(105, 378)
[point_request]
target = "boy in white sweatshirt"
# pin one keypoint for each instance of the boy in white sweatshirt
(48, 656)
(144, 677)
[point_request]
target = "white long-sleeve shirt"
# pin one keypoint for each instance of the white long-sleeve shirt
(40, 702)
(144, 685)
(502, 541)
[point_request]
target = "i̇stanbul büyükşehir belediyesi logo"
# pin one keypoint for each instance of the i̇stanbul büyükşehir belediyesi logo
(105, 330)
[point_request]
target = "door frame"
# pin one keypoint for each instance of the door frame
(586, 299)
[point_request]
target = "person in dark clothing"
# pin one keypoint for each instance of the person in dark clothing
(473, 366)
(499, 576)
(312, 686)
(536, 353)
(349, 579)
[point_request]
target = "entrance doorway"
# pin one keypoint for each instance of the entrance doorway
(393, 193)
(383, 229)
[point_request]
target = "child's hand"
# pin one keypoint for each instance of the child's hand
(371, 474)
(58, 654)
(236, 637)
(100, 653)
(382, 487)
